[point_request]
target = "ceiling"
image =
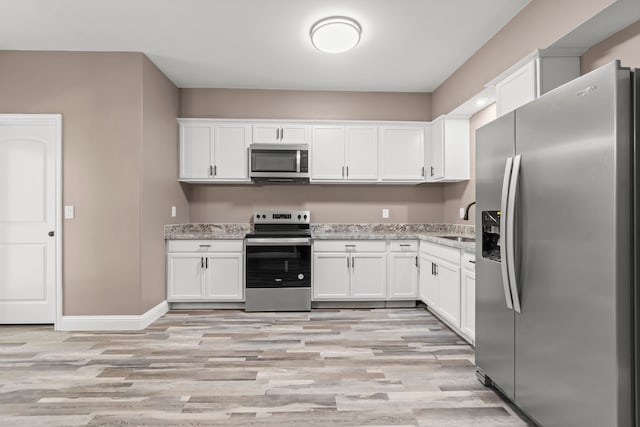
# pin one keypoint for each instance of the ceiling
(406, 46)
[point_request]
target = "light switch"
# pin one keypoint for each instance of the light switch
(173, 211)
(69, 212)
(385, 213)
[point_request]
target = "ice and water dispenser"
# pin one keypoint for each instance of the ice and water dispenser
(491, 235)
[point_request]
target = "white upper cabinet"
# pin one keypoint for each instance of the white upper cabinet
(196, 150)
(402, 153)
(273, 133)
(447, 152)
(535, 75)
(214, 151)
(344, 153)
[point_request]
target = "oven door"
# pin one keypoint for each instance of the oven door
(278, 262)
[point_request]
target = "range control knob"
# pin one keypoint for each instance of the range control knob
(299, 216)
(305, 217)
(264, 216)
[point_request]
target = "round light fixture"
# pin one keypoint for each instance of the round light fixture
(335, 34)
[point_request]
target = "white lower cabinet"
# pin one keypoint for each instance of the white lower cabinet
(468, 297)
(403, 270)
(349, 270)
(205, 270)
(440, 281)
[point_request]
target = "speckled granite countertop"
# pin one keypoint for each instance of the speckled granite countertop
(382, 231)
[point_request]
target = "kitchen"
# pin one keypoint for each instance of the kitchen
(106, 178)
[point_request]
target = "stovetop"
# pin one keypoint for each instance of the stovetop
(282, 223)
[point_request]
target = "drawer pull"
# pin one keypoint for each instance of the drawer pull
(472, 262)
(205, 246)
(405, 245)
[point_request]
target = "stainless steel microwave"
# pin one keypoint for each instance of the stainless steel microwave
(279, 162)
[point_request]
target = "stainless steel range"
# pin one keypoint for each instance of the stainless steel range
(278, 262)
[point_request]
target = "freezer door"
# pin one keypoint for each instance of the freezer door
(573, 337)
(494, 319)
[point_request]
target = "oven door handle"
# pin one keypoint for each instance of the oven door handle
(279, 241)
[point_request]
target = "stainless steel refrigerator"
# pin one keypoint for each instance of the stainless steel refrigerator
(556, 188)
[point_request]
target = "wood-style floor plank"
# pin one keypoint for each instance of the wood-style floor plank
(378, 367)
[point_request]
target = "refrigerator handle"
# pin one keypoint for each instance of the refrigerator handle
(511, 231)
(504, 214)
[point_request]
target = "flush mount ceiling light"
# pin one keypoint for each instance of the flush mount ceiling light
(336, 34)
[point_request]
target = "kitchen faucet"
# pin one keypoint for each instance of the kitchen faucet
(466, 211)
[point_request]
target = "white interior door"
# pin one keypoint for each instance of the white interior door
(28, 199)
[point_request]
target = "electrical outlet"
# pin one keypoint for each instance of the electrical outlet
(173, 211)
(461, 213)
(385, 213)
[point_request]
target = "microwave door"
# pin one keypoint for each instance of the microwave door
(274, 161)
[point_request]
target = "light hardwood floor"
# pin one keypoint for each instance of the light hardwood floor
(382, 367)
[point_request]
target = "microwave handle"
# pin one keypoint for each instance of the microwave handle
(298, 161)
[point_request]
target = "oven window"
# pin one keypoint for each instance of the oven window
(273, 160)
(278, 266)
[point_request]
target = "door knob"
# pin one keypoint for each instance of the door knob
(51, 234)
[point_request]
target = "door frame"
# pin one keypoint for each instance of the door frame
(48, 119)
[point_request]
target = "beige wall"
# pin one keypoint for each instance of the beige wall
(100, 97)
(537, 26)
(459, 194)
(160, 188)
(624, 45)
(299, 104)
(327, 203)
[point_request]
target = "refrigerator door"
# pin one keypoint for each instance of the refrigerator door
(573, 355)
(494, 319)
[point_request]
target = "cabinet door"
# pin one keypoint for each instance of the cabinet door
(327, 158)
(368, 276)
(195, 151)
(361, 155)
(294, 134)
(266, 133)
(435, 171)
(223, 274)
(517, 89)
(468, 320)
(230, 156)
(185, 277)
(429, 291)
(403, 276)
(330, 275)
(402, 153)
(448, 276)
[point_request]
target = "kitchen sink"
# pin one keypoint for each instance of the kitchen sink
(458, 238)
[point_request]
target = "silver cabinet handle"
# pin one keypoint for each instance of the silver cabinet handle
(431, 170)
(210, 170)
(343, 171)
(281, 133)
(215, 170)
(504, 217)
(278, 134)
(416, 261)
(205, 246)
(349, 246)
(201, 262)
(433, 269)
(353, 262)
(206, 262)
(472, 262)
(405, 245)
(511, 227)
(347, 171)
(423, 171)
(347, 262)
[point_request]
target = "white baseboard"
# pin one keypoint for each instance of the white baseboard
(112, 323)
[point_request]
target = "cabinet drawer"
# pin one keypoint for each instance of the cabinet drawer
(443, 252)
(349, 246)
(403, 246)
(205, 245)
(469, 261)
